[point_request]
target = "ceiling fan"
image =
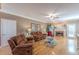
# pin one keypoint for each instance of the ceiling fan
(53, 16)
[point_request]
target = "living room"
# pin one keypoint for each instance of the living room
(47, 29)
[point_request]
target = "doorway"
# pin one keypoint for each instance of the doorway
(71, 38)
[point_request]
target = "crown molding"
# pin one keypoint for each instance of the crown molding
(26, 17)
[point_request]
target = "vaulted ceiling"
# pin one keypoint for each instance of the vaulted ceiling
(38, 11)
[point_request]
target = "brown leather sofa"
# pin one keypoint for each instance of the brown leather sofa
(38, 36)
(20, 46)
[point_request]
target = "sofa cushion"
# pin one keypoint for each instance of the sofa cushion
(20, 39)
(22, 43)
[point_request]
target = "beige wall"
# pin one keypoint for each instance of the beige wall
(0, 5)
(0, 31)
(23, 23)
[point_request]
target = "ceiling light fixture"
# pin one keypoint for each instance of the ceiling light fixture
(51, 16)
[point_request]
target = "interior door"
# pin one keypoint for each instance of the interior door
(8, 30)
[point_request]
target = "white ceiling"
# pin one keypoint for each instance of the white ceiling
(38, 11)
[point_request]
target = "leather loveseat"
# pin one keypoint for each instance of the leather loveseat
(20, 46)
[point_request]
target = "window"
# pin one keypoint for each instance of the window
(71, 30)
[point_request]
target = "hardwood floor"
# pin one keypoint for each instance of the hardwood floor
(5, 50)
(42, 49)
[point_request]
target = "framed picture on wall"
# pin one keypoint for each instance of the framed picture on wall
(35, 27)
(39, 27)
